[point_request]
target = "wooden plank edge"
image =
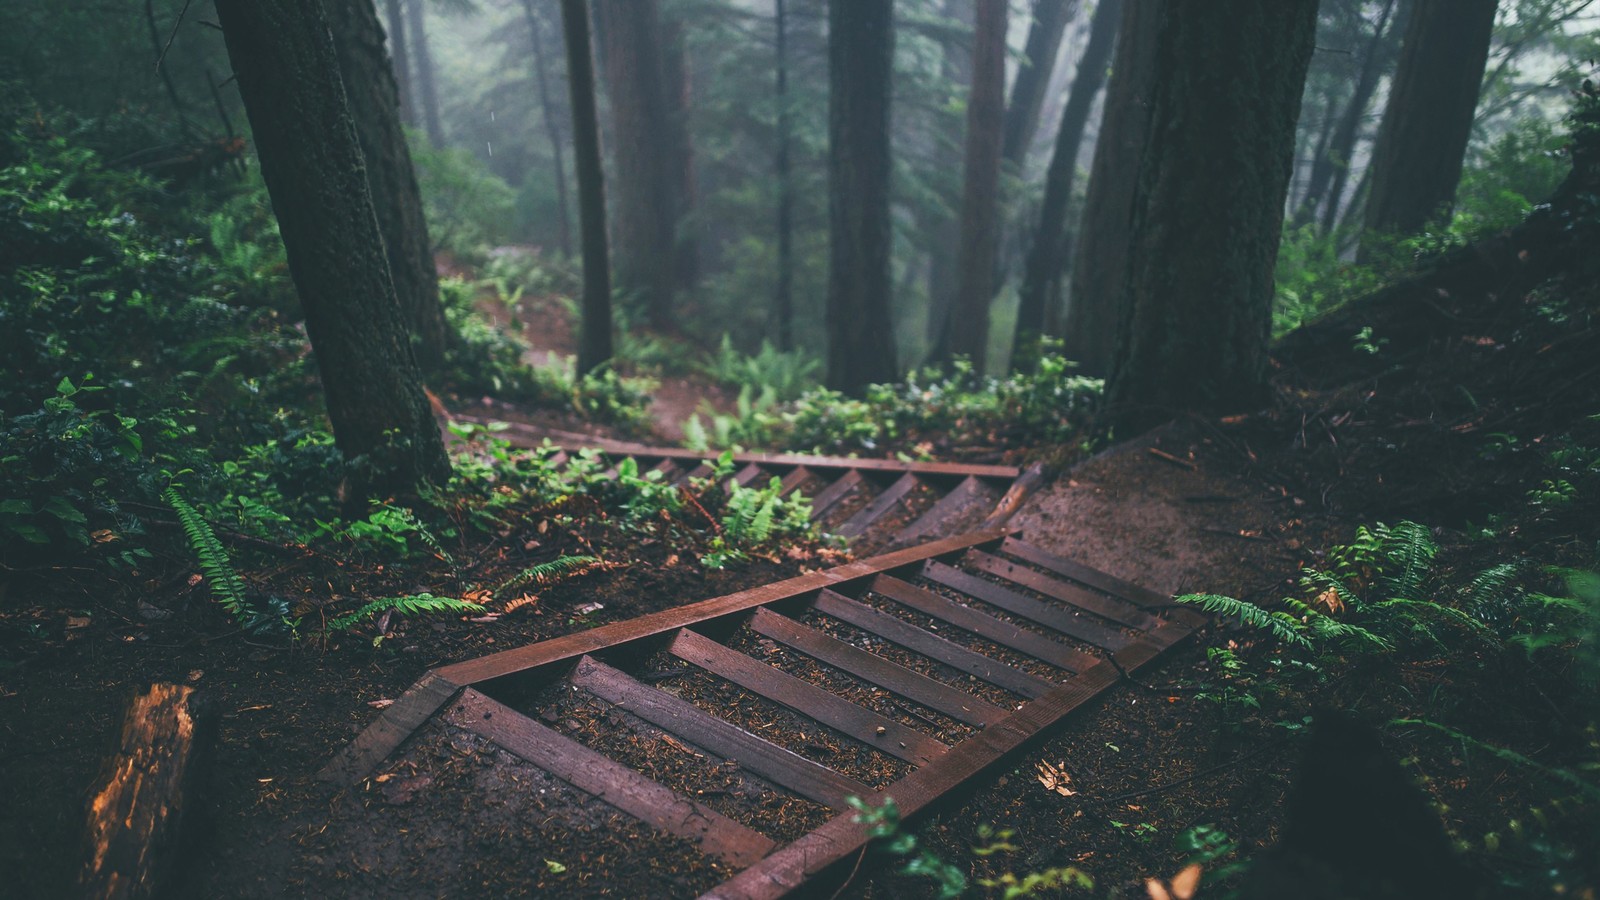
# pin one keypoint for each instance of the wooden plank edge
(403, 717)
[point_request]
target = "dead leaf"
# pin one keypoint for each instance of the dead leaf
(1055, 778)
(480, 596)
(380, 704)
(1329, 602)
(520, 602)
(1156, 889)
(401, 792)
(195, 579)
(103, 536)
(1186, 882)
(676, 744)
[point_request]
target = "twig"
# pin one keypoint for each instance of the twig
(1177, 461)
(174, 35)
(852, 876)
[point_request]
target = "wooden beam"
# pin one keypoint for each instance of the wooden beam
(1054, 617)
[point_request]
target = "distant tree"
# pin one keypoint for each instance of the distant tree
(783, 296)
(678, 85)
(980, 219)
(645, 225)
(1050, 251)
(944, 227)
(1377, 60)
(1028, 88)
(288, 75)
(1209, 209)
(427, 92)
(1100, 255)
(552, 122)
(394, 20)
(861, 347)
(1417, 162)
(594, 338)
(374, 107)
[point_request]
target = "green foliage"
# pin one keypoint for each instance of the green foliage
(771, 372)
(414, 605)
(468, 208)
(226, 585)
(544, 572)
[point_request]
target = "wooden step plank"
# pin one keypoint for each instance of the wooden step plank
(791, 482)
(702, 470)
(968, 491)
(608, 780)
(1114, 608)
(929, 644)
(805, 698)
(414, 707)
(1054, 617)
(748, 474)
(891, 676)
(982, 624)
(1100, 581)
(880, 506)
(669, 470)
(835, 493)
(715, 736)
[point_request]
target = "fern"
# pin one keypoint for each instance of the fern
(1322, 627)
(407, 606)
(226, 585)
(1411, 548)
(1284, 627)
(545, 571)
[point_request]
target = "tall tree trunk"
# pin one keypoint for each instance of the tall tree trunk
(288, 74)
(680, 144)
(552, 122)
(594, 333)
(1422, 143)
(1028, 88)
(374, 107)
(980, 220)
(427, 89)
(1049, 253)
(783, 298)
(1345, 143)
(395, 20)
(1100, 258)
(944, 272)
(1332, 165)
(645, 230)
(1209, 210)
(861, 347)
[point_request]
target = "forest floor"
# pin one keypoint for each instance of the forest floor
(1234, 507)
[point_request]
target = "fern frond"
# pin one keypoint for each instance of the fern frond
(226, 585)
(1410, 547)
(1280, 625)
(1323, 627)
(1491, 587)
(405, 606)
(1409, 609)
(545, 571)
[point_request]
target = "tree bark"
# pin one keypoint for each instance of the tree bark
(395, 20)
(861, 347)
(427, 88)
(288, 73)
(980, 221)
(552, 122)
(644, 228)
(1209, 209)
(944, 263)
(594, 337)
(680, 144)
(374, 107)
(783, 297)
(1028, 88)
(1050, 251)
(1422, 143)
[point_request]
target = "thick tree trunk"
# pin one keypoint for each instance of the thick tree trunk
(427, 92)
(374, 101)
(644, 228)
(944, 263)
(288, 74)
(980, 220)
(594, 338)
(1028, 88)
(1050, 251)
(1209, 209)
(783, 297)
(144, 797)
(552, 122)
(1422, 143)
(861, 347)
(395, 20)
(680, 146)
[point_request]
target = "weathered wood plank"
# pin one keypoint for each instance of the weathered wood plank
(1083, 574)
(835, 493)
(1081, 627)
(745, 476)
(982, 624)
(797, 476)
(880, 506)
(608, 780)
(420, 701)
(1116, 609)
(970, 490)
(715, 736)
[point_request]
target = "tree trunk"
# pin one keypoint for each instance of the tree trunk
(644, 228)
(1422, 143)
(1047, 257)
(594, 337)
(1209, 209)
(980, 229)
(552, 122)
(283, 57)
(374, 107)
(427, 90)
(861, 347)
(944, 271)
(144, 797)
(394, 19)
(783, 298)
(1028, 88)
(1345, 144)
(680, 145)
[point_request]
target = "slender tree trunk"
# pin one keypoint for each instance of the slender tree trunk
(680, 144)
(1100, 258)
(427, 89)
(980, 225)
(552, 122)
(944, 272)
(1028, 88)
(1422, 142)
(1350, 133)
(288, 74)
(594, 337)
(1209, 210)
(1047, 257)
(861, 347)
(783, 299)
(373, 100)
(157, 46)
(395, 20)
(645, 230)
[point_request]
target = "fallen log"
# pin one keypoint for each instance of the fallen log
(144, 796)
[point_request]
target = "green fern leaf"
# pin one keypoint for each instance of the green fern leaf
(545, 571)
(415, 604)
(226, 585)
